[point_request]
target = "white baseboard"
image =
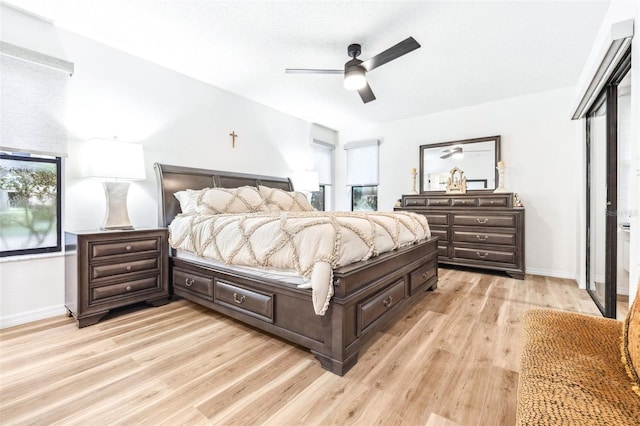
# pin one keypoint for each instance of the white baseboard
(551, 273)
(35, 315)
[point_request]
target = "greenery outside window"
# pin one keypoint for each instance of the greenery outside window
(364, 198)
(30, 204)
(318, 199)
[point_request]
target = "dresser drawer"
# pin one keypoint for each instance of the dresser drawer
(438, 202)
(481, 254)
(464, 202)
(505, 221)
(421, 275)
(415, 202)
(105, 271)
(437, 219)
(103, 249)
(495, 201)
(479, 237)
(379, 304)
(442, 234)
(127, 289)
(257, 304)
(192, 282)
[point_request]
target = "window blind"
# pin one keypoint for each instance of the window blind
(32, 101)
(322, 154)
(362, 162)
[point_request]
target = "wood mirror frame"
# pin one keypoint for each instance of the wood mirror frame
(482, 175)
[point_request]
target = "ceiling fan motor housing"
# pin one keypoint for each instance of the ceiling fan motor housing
(354, 50)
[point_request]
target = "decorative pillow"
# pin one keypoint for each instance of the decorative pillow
(188, 200)
(279, 200)
(631, 343)
(245, 199)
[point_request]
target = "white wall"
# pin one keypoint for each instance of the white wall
(618, 11)
(538, 146)
(179, 121)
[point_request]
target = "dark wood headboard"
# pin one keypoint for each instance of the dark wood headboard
(172, 179)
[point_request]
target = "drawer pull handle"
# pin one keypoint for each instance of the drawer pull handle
(388, 301)
(189, 282)
(483, 221)
(235, 298)
(128, 267)
(482, 237)
(128, 248)
(482, 256)
(128, 288)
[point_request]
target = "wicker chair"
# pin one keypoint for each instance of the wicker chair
(579, 369)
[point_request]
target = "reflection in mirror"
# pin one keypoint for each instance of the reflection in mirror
(478, 159)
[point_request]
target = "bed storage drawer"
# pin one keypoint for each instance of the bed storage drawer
(193, 283)
(256, 304)
(422, 275)
(376, 306)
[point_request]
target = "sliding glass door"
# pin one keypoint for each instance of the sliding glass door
(602, 193)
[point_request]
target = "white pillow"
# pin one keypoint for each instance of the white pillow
(245, 199)
(279, 200)
(188, 199)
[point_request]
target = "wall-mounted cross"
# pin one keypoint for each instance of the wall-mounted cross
(233, 138)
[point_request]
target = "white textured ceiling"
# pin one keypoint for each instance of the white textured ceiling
(472, 52)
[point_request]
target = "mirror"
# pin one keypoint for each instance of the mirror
(478, 158)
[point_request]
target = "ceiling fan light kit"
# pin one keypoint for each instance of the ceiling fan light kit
(355, 70)
(354, 78)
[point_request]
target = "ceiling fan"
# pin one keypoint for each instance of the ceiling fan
(455, 152)
(355, 70)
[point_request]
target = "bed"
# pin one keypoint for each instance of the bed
(367, 295)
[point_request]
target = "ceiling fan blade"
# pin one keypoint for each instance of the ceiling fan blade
(391, 53)
(367, 94)
(311, 71)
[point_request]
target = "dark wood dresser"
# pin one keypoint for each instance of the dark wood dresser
(479, 229)
(109, 269)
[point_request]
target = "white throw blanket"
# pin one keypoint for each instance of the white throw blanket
(310, 243)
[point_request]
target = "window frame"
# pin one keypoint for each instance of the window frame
(58, 163)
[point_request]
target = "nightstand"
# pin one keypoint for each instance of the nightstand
(110, 269)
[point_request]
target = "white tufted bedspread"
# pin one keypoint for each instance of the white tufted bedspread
(309, 243)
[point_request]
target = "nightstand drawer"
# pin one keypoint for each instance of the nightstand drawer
(127, 288)
(123, 247)
(196, 283)
(104, 271)
(257, 304)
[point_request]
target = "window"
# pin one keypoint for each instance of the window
(32, 140)
(29, 204)
(322, 155)
(318, 198)
(364, 198)
(362, 174)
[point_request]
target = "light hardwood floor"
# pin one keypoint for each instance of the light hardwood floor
(452, 360)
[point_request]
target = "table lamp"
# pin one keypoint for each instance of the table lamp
(117, 163)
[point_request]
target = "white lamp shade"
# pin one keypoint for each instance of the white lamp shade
(113, 159)
(306, 181)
